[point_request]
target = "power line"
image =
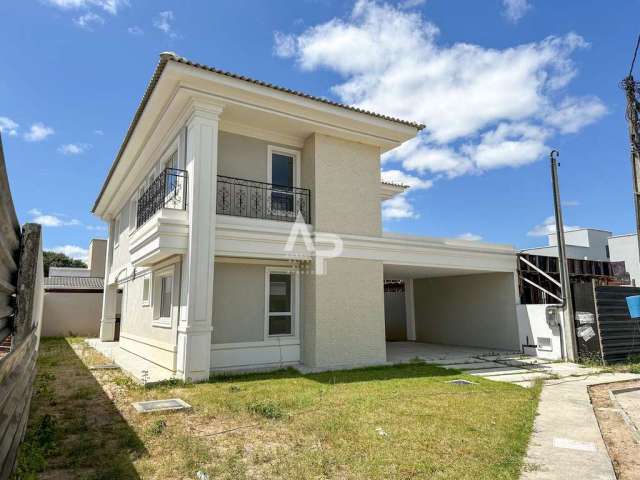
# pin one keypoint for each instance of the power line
(635, 53)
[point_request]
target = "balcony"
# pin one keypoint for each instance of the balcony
(168, 190)
(252, 199)
(161, 220)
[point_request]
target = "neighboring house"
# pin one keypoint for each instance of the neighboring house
(624, 248)
(73, 296)
(598, 245)
(582, 244)
(201, 200)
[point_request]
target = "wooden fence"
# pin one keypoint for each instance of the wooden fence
(21, 297)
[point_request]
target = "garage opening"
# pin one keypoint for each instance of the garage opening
(435, 313)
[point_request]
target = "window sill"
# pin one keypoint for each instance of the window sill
(162, 323)
(284, 335)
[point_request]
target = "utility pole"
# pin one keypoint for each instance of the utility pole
(568, 326)
(633, 105)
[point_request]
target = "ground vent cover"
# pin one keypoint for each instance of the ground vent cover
(161, 405)
(459, 381)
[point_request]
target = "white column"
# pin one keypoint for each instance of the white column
(193, 361)
(110, 295)
(410, 309)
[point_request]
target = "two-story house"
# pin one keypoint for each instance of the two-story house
(215, 273)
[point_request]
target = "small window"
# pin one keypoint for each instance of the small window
(166, 287)
(116, 231)
(162, 296)
(146, 290)
(280, 303)
(133, 210)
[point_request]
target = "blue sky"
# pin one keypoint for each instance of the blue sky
(497, 82)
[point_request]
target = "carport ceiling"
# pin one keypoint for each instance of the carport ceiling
(401, 272)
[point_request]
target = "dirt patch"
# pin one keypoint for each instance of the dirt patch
(623, 448)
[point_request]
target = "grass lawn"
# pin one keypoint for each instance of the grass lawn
(387, 422)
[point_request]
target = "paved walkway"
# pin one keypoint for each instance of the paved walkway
(566, 442)
(497, 365)
(142, 370)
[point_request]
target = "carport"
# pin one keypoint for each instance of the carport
(447, 300)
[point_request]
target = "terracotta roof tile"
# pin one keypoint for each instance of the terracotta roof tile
(165, 57)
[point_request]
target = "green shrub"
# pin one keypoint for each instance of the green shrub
(157, 427)
(266, 409)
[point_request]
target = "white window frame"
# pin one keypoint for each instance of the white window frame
(133, 213)
(295, 299)
(147, 301)
(117, 231)
(158, 321)
(271, 149)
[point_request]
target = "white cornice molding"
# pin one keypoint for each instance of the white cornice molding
(262, 134)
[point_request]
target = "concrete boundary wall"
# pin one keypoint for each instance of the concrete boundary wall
(72, 312)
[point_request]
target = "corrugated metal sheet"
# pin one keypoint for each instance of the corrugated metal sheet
(619, 333)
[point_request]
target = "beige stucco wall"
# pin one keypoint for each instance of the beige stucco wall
(345, 185)
(138, 333)
(97, 257)
(121, 256)
(471, 310)
(244, 157)
(75, 313)
(343, 314)
(238, 303)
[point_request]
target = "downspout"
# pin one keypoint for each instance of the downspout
(567, 333)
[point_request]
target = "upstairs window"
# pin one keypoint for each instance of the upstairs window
(283, 175)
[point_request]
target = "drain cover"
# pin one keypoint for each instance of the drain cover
(161, 405)
(104, 366)
(459, 381)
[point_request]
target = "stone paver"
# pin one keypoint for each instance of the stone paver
(630, 402)
(566, 442)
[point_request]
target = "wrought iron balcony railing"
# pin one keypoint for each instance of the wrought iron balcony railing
(248, 198)
(168, 190)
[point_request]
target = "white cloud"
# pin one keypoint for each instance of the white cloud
(547, 227)
(135, 30)
(163, 21)
(52, 220)
(87, 20)
(571, 203)
(99, 228)
(406, 4)
(284, 45)
(8, 126)
(575, 113)
(38, 132)
(109, 6)
(484, 108)
(73, 251)
(398, 208)
(508, 145)
(400, 177)
(471, 237)
(514, 10)
(98, 132)
(74, 148)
